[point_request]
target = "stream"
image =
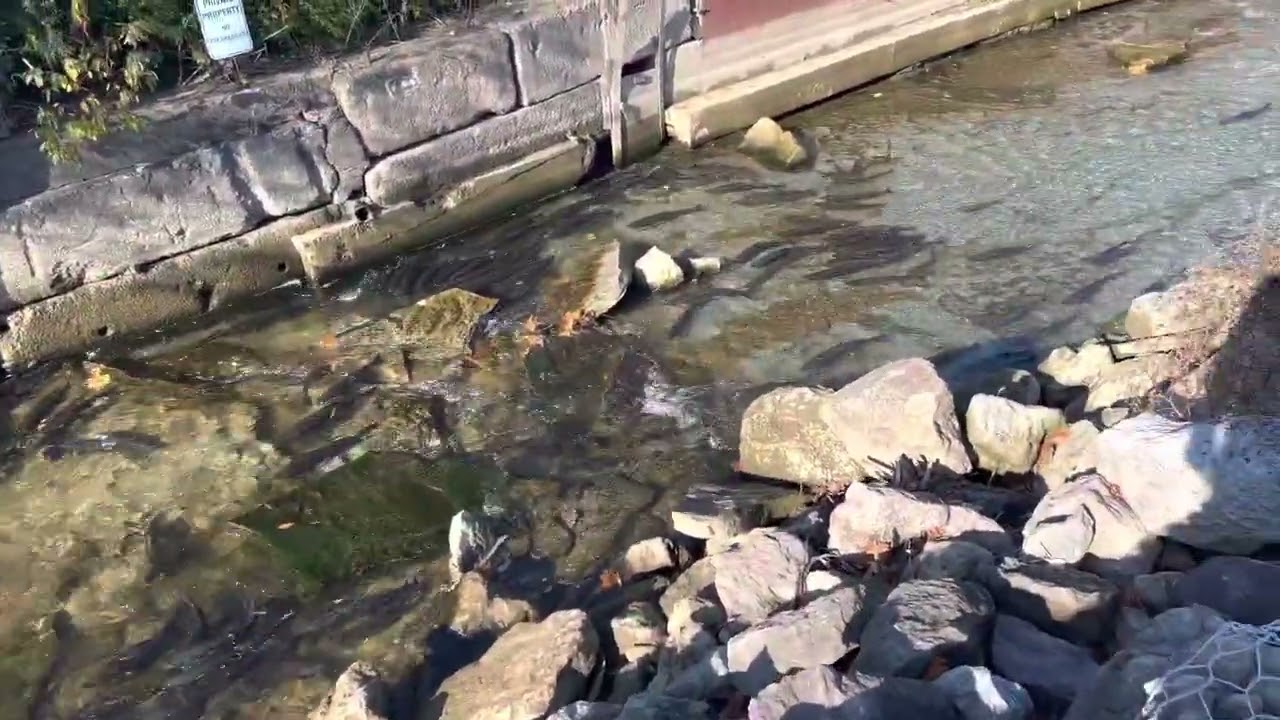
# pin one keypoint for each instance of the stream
(215, 522)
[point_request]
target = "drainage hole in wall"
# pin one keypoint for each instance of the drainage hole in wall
(4, 326)
(282, 267)
(362, 214)
(103, 331)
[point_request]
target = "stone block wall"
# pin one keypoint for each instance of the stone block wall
(357, 138)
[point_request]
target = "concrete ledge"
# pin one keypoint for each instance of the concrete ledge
(183, 287)
(728, 109)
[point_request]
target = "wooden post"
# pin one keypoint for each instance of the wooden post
(660, 65)
(613, 20)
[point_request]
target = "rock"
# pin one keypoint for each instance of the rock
(647, 556)
(639, 632)
(1051, 668)
(533, 670)
(703, 266)
(587, 285)
(583, 710)
(951, 560)
(809, 691)
(1140, 58)
(1066, 453)
(1129, 380)
(926, 619)
(1201, 303)
(760, 574)
(704, 679)
(697, 581)
(441, 86)
(1007, 504)
(1087, 519)
(771, 145)
(359, 694)
(1156, 590)
(478, 610)
(1239, 588)
(723, 512)
(893, 697)
(446, 320)
(1130, 623)
(1069, 368)
(820, 582)
(693, 628)
(658, 271)
(1059, 599)
(1006, 435)
(630, 680)
(1176, 557)
(820, 633)
(470, 538)
(1117, 691)
(827, 440)
(652, 706)
(1211, 485)
(980, 695)
(1111, 416)
(873, 517)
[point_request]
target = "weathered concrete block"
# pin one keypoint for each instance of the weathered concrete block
(60, 240)
(424, 171)
(185, 286)
(329, 250)
(560, 51)
(428, 87)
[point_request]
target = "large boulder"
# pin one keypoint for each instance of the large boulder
(1204, 302)
(760, 574)
(1211, 485)
(1053, 669)
(1007, 435)
(533, 670)
(827, 439)
(923, 620)
(1241, 589)
(820, 633)
(875, 517)
(1130, 380)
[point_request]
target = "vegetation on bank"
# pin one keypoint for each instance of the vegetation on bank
(75, 69)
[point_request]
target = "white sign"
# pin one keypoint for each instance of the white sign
(224, 27)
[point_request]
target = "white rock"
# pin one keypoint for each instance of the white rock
(1195, 304)
(767, 141)
(819, 582)
(469, 541)
(1007, 435)
(705, 265)
(1073, 368)
(359, 694)
(922, 619)
(760, 574)
(815, 437)
(1211, 485)
(658, 271)
(980, 695)
(1129, 380)
(1066, 454)
(647, 556)
(950, 559)
(805, 691)
(872, 517)
(1090, 517)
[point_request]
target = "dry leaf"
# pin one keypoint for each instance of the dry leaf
(98, 378)
(937, 666)
(610, 579)
(285, 525)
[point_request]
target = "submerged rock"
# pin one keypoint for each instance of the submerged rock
(1140, 58)
(771, 145)
(722, 512)
(533, 670)
(901, 412)
(446, 320)
(587, 286)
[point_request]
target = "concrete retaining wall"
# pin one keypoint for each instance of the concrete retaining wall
(308, 173)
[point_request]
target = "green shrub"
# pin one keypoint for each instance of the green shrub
(83, 65)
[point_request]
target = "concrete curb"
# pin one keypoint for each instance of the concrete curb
(165, 232)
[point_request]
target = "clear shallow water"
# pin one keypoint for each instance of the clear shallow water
(216, 524)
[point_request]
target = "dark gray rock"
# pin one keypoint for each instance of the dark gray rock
(761, 573)
(1118, 690)
(951, 559)
(1053, 669)
(653, 706)
(1241, 589)
(895, 697)
(807, 694)
(1059, 599)
(820, 633)
(583, 710)
(980, 695)
(925, 619)
(639, 632)
(1156, 590)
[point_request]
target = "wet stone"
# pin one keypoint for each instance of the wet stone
(588, 285)
(772, 146)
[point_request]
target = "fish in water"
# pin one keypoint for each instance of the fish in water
(1243, 116)
(132, 445)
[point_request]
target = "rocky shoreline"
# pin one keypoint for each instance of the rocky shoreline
(1047, 544)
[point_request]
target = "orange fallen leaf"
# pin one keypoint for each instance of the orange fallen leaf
(935, 533)
(937, 666)
(285, 525)
(98, 378)
(610, 579)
